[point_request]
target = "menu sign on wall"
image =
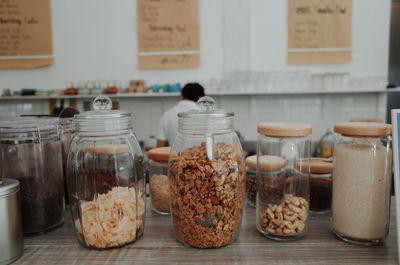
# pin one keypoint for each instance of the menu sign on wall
(319, 31)
(25, 34)
(168, 34)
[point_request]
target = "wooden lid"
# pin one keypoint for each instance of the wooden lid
(284, 129)
(363, 129)
(160, 154)
(107, 149)
(315, 166)
(266, 163)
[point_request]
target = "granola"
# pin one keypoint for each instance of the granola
(113, 219)
(207, 196)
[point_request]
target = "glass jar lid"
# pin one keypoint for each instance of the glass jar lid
(363, 129)
(102, 120)
(160, 154)
(314, 165)
(29, 129)
(206, 120)
(284, 129)
(266, 162)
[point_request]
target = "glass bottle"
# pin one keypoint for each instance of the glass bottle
(106, 178)
(207, 178)
(362, 167)
(282, 214)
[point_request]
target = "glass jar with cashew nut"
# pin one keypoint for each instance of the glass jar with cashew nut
(159, 184)
(282, 202)
(106, 178)
(362, 169)
(207, 178)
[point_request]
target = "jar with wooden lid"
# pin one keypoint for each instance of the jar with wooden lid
(207, 178)
(282, 212)
(158, 183)
(320, 172)
(362, 163)
(106, 178)
(251, 180)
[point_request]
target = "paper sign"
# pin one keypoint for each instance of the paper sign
(319, 31)
(165, 26)
(25, 34)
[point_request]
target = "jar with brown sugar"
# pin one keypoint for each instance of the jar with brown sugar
(159, 183)
(207, 178)
(282, 192)
(362, 163)
(106, 178)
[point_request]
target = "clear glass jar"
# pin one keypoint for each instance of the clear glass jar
(282, 214)
(31, 153)
(251, 180)
(159, 183)
(66, 125)
(207, 178)
(320, 172)
(362, 163)
(106, 178)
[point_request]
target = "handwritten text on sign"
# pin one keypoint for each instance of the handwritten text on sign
(25, 28)
(316, 24)
(168, 25)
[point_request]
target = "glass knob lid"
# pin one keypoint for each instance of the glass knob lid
(102, 103)
(206, 103)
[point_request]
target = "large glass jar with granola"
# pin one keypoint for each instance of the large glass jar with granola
(207, 178)
(282, 203)
(106, 178)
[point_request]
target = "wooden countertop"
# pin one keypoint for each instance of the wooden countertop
(158, 246)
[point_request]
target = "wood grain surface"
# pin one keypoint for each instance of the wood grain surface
(158, 246)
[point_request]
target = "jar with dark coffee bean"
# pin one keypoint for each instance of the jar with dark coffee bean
(251, 180)
(319, 171)
(31, 153)
(106, 178)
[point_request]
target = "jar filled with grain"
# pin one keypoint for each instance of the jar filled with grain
(251, 180)
(282, 197)
(207, 178)
(106, 178)
(159, 184)
(320, 172)
(362, 163)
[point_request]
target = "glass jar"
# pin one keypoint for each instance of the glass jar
(207, 178)
(31, 153)
(320, 173)
(282, 214)
(251, 180)
(362, 163)
(159, 183)
(66, 125)
(106, 178)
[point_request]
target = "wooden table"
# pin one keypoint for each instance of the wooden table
(158, 246)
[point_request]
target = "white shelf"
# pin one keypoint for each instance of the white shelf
(155, 95)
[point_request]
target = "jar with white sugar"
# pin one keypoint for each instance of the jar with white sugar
(362, 163)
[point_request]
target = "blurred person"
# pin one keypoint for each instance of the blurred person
(190, 93)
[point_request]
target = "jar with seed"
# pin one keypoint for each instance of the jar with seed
(283, 197)
(320, 172)
(106, 178)
(207, 178)
(159, 184)
(362, 168)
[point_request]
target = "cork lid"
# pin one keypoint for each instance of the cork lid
(315, 166)
(107, 149)
(363, 129)
(160, 154)
(284, 129)
(266, 163)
